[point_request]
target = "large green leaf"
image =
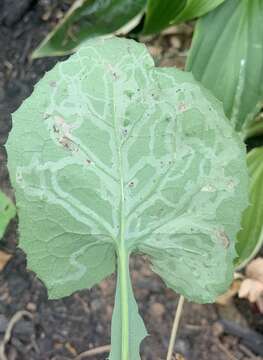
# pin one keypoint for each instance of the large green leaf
(227, 57)
(163, 13)
(86, 19)
(160, 13)
(7, 212)
(250, 238)
(120, 157)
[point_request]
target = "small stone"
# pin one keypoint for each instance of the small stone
(175, 42)
(31, 307)
(105, 288)
(217, 329)
(146, 271)
(157, 310)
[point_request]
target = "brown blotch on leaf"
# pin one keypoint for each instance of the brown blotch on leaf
(68, 144)
(224, 238)
(55, 129)
(46, 116)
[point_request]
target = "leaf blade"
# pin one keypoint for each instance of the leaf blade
(175, 12)
(124, 157)
(168, 10)
(238, 79)
(250, 238)
(86, 19)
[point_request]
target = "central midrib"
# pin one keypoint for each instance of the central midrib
(122, 253)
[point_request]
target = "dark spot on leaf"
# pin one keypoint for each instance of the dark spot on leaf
(56, 130)
(68, 144)
(46, 116)
(129, 93)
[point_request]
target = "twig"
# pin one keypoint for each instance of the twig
(250, 338)
(8, 333)
(247, 352)
(83, 303)
(175, 327)
(92, 352)
(225, 350)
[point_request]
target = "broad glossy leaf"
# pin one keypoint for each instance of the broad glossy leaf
(120, 157)
(160, 13)
(163, 13)
(7, 212)
(250, 238)
(227, 57)
(86, 19)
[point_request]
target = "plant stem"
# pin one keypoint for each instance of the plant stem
(124, 287)
(175, 327)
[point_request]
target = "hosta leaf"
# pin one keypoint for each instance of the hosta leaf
(160, 13)
(163, 13)
(227, 57)
(110, 156)
(250, 238)
(86, 19)
(7, 212)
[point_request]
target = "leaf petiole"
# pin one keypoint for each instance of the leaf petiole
(123, 273)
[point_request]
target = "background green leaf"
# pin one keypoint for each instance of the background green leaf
(163, 13)
(160, 13)
(86, 19)
(123, 157)
(227, 57)
(250, 238)
(254, 128)
(7, 212)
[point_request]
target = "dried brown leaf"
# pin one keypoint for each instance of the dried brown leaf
(4, 258)
(253, 291)
(226, 298)
(254, 269)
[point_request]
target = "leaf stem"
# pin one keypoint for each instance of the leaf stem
(123, 270)
(175, 327)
